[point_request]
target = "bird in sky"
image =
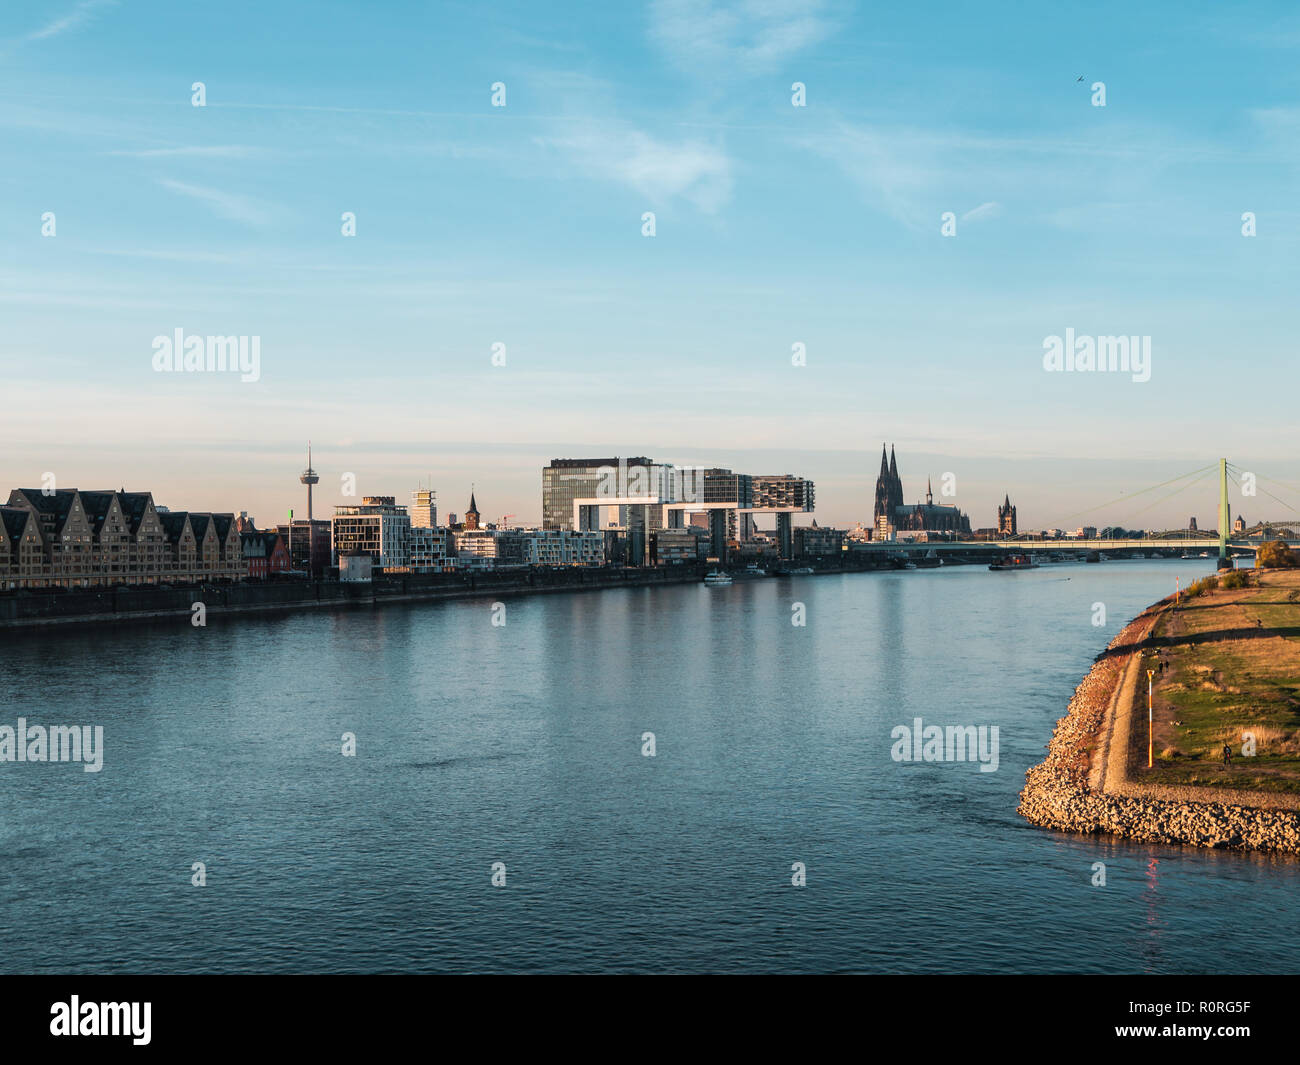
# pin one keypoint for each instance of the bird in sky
(1079, 78)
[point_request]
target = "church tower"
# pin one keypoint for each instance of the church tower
(1007, 517)
(883, 507)
(471, 515)
(895, 485)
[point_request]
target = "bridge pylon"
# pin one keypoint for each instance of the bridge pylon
(1225, 515)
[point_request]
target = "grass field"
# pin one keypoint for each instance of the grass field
(1231, 672)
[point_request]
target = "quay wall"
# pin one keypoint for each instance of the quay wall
(42, 609)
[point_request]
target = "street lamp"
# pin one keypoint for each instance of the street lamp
(1150, 718)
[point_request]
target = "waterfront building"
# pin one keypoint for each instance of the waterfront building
(631, 495)
(308, 544)
(97, 539)
(356, 567)
(563, 547)
(431, 550)
(671, 546)
(490, 548)
(22, 555)
(377, 527)
(813, 541)
(636, 498)
(1007, 517)
(264, 553)
(567, 480)
(734, 494)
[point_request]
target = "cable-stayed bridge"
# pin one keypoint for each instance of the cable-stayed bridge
(1221, 545)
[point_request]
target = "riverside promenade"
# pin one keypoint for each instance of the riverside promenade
(1214, 689)
(48, 609)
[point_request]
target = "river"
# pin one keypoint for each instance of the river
(522, 743)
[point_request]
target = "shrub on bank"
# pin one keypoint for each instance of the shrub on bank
(1236, 578)
(1277, 555)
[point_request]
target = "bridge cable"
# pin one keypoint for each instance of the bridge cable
(1133, 495)
(1259, 477)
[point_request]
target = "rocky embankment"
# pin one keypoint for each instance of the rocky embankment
(1057, 793)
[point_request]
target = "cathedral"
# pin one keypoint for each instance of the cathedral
(892, 513)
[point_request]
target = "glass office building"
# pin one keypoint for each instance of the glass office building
(565, 480)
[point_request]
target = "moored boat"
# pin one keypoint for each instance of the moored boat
(1014, 562)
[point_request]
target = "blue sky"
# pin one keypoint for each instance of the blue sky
(775, 225)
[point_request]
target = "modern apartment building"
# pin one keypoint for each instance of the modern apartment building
(564, 547)
(486, 548)
(431, 550)
(376, 526)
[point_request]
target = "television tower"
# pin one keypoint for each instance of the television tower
(309, 477)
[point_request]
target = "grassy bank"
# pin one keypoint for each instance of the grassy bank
(1231, 671)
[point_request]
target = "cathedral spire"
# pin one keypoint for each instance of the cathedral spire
(929, 495)
(893, 465)
(884, 462)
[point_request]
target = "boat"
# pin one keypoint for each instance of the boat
(715, 578)
(1014, 562)
(802, 570)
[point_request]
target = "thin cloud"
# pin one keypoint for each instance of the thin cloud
(985, 210)
(81, 14)
(225, 204)
(216, 151)
(657, 169)
(741, 36)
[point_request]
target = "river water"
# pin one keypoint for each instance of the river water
(522, 743)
